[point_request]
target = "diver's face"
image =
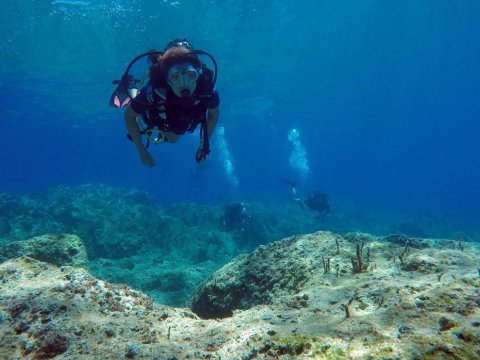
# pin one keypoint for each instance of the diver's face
(183, 79)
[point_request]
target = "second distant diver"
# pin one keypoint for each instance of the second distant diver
(179, 96)
(316, 201)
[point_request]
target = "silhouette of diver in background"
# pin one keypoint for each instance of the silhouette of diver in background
(235, 217)
(317, 201)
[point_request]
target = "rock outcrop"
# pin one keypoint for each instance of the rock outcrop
(273, 270)
(60, 250)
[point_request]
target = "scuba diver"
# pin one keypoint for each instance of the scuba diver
(316, 201)
(235, 217)
(179, 96)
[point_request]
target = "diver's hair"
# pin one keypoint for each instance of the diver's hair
(153, 57)
(177, 55)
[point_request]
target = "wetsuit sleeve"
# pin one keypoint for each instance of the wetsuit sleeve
(214, 101)
(140, 106)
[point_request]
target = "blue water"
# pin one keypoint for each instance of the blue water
(384, 96)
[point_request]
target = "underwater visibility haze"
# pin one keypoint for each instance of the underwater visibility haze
(383, 95)
(342, 116)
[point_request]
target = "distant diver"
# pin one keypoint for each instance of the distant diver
(179, 95)
(235, 217)
(317, 201)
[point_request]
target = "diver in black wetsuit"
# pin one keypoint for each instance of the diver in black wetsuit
(317, 201)
(179, 96)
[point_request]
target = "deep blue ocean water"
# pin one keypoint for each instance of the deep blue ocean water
(384, 96)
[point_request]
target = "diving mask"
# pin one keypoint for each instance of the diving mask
(180, 76)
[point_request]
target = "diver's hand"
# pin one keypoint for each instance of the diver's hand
(146, 158)
(201, 155)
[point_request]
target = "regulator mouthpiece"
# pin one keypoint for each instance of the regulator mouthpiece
(186, 98)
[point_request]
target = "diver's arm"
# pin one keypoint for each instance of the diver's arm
(134, 131)
(212, 119)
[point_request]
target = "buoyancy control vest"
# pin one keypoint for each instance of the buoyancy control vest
(168, 112)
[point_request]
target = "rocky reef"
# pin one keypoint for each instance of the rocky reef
(249, 280)
(116, 223)
(130, 239)
(113, 222)
(60, 250)
(319, 295)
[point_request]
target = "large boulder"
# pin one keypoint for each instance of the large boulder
(271, 271)
(59, 250)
